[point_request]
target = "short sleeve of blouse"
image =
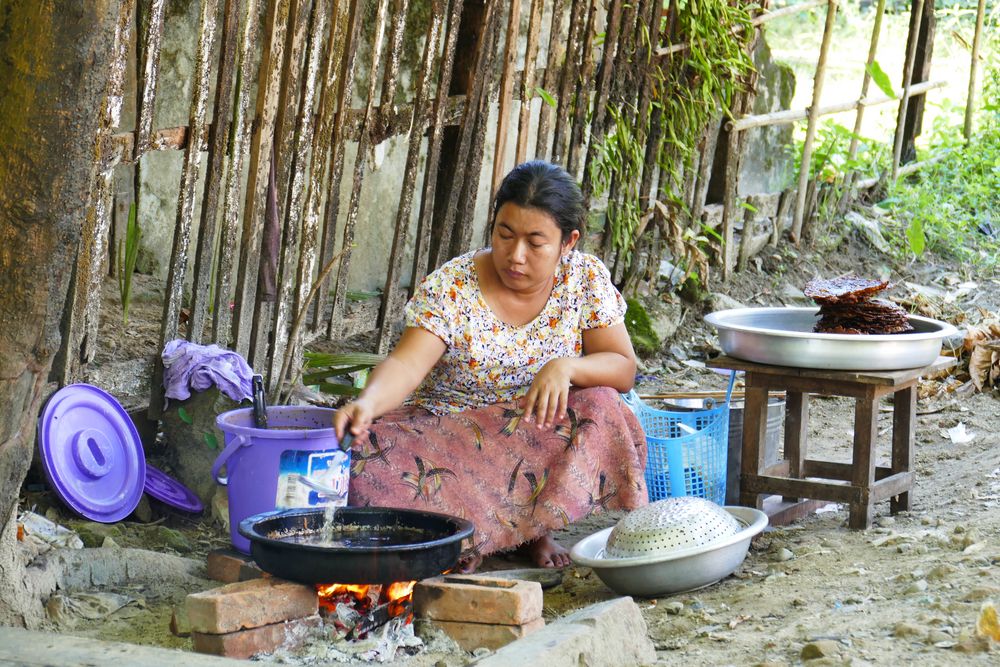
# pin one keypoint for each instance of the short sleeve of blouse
(602, 305)
(426, 310)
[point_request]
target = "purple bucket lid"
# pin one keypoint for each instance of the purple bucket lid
(91, 453)
(166, 489)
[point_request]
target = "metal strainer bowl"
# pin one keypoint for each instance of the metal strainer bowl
(668, 571)
(669, 525)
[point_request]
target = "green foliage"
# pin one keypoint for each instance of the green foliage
(322, 369)
(689, 89)
(620, 158)
(950, 206)
(881, 79)
(128, 252)
(547, 97)
(640, 328)
(211, 440)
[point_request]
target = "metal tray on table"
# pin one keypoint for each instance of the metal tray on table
(785, 337)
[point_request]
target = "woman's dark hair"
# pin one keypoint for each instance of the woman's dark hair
(547, 187)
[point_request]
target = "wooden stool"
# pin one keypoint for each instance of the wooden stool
(858, 484)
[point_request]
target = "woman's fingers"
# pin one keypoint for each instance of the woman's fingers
(341, 419)
(537, 412)
(353, 417)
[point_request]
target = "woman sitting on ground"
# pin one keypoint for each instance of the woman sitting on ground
(515, 356)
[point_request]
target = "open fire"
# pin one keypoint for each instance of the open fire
(356, 609)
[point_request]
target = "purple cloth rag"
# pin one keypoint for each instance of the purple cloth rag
(188, 366)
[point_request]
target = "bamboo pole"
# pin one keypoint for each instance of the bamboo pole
(331, 210)
(554, 66)
(794, 115)
(852, 152)
(240, 145)
(423, 98)
(909, 168)
(215, 170)
(360, 164)
(421, 245)
(506, 93)
(187, 199)
(567, 79)
(276, 25)
(765, 17)
(897, 145)
(970, 100)
(528, 82)
(800, 204)
(299, 252)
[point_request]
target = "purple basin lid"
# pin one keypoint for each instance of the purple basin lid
(91, 453)
(166, 489)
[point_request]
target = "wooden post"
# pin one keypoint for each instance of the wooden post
(800, 204)
(897, 146)
(506, 92)
(970, 100)
(528, 82)
(470, 37)
(865, 82)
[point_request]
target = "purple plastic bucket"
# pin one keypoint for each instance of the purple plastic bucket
(295, 462)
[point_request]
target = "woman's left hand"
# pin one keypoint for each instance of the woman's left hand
(548, 397)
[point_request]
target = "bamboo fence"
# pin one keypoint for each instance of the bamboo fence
(278, 105)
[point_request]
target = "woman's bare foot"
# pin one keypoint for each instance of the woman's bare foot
(469, 563)
(546, 552)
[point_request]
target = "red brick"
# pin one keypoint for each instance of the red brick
(229, 565)
(478, 599)
(265, 639)
(249, 604)
(471, 636)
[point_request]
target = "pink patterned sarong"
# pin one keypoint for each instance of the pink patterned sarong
(513, 480)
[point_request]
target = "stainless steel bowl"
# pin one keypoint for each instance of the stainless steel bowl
(784, 337)
(675, 572)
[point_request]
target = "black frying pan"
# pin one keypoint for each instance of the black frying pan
(436, 549)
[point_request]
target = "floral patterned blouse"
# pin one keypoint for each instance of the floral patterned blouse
(489, 361)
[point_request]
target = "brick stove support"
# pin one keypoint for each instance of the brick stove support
(248, 617)
(479, 610)
(229, 565)
(247, 643)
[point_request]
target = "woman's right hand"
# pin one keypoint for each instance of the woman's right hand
(358, 414)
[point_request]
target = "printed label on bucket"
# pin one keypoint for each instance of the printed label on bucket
(312, 479)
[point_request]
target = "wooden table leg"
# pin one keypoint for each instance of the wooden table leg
(863, 463)
(796, 433)
(754, 432)
(904, 418)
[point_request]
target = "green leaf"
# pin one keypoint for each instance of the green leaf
(326, 360)
(211, 440)
(338, 389)
(915, 234)
(185, 417)
(880, 78)
(547, 97)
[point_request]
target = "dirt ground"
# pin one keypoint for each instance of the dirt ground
(907, 591)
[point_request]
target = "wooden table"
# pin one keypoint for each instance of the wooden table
(859, 484)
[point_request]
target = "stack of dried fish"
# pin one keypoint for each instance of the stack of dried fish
(847, 306)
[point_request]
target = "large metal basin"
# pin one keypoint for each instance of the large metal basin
(784, 337)
(677, 571)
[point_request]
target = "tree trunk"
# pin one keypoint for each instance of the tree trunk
(54, 64)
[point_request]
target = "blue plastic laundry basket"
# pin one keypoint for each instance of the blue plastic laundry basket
(686, 451)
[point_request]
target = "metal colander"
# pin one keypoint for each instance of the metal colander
(670, 525)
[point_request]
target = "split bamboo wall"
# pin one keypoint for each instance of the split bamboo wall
(277, 156)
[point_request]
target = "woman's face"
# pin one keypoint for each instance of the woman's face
(527, 247)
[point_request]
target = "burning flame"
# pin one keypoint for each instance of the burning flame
(365, 597)
(398, 594)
